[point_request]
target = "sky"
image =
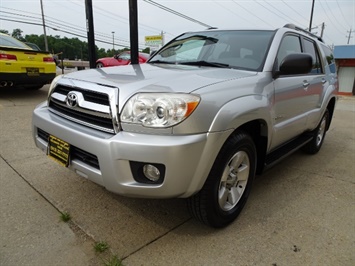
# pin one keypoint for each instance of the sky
(68, 17)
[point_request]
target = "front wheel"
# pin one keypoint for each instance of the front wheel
(228, 185)
(315, 144)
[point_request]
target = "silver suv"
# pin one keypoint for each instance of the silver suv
(207, 112)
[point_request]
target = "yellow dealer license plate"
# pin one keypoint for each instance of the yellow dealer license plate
(59, 150)
(32, 71)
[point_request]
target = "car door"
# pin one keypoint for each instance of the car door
(317, 82)
(290, 96)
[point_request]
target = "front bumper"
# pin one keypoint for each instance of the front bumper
(187, 158)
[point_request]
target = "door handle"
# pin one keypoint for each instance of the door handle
(305, 83)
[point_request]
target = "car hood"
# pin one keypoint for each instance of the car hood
(157, 78)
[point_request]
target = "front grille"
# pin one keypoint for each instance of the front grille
(91, 108)
(90, 96)
(88, 119)
(75, 153)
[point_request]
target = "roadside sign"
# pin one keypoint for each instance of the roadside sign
(154, 40)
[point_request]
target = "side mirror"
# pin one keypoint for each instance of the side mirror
(294, 64)
(115, 56)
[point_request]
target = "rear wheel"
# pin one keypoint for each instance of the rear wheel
(99, 65)
(315, 144)
(228, 185)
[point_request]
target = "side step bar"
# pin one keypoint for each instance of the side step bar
(283, 151)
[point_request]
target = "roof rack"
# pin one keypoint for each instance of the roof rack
(294, 27)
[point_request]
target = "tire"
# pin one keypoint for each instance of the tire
(315, 144)
(99, 65)
(226, 190)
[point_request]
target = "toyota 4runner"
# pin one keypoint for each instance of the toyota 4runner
(205, 114)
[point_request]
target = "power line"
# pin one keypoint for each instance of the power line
(251, 13)
(294, 10)
(176, 13)
(57, 23)
(342, 14)
(280, 12)
(75, 30)
(330, 20)
(61, 30)
(335, 18)
(228, 9)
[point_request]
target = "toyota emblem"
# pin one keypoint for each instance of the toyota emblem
(72, 99)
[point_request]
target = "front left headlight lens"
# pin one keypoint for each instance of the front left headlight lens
(159, 109)
(54, 82)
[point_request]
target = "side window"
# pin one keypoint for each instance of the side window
(330, 58)
(125, 56)
(290, 44)
(309, 48)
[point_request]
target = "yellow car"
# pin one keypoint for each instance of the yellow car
(22, 66)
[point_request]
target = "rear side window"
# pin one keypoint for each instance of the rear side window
(310, 48)
(329, 58)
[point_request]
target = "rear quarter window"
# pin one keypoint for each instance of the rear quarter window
(329, 58)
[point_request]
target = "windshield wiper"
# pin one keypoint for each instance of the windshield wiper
(205, 63)
(160, 62)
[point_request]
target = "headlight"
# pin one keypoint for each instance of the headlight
(159, 109)
(54, 82)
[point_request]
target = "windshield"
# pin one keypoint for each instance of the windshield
(233, 49)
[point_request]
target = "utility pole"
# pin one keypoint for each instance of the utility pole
(310, 22)
(90, 33)
(133, 30)
(113, 40)
(44, 28)
(323, 26)
(162, 38)
(349, 36)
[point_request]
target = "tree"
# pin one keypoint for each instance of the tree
(17, 33)
(5, 31)
(146, 50)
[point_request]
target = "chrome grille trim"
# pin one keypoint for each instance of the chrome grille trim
(96, 105)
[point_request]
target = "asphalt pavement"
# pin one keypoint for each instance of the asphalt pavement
(301, 212)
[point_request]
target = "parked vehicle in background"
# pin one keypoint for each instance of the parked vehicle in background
(205, 114)
(33, 46)
(121, 59)
(20, 65)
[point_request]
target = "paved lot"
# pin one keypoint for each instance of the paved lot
(301, 212)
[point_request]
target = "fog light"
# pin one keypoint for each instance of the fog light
(151, 172)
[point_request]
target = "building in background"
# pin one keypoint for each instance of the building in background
(345, 59)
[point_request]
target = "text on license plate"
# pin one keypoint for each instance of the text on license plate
(59, 150)
(32, 71)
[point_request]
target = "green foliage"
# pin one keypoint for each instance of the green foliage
(114, 261)
(146, 50)
(5, 31)
(101, 246)
(17, 33)
(65, 217)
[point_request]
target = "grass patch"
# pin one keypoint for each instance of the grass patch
(114, 261)
(101, 246)
(65, 217)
